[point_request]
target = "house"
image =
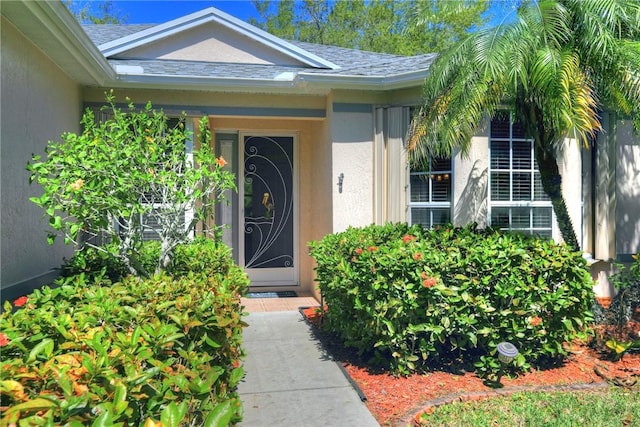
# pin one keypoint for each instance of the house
(314, 133)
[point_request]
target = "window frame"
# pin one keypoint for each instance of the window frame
(431, 205)
(151, 232)
(531, 204)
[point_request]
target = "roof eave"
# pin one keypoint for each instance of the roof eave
(50, 25)
(390, 82)
(305, 82)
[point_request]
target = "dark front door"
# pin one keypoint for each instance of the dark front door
(268, 217)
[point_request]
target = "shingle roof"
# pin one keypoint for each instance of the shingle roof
(352, 62)
(206, 69)
(104, 33)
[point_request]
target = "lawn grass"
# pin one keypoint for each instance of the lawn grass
(609, 407)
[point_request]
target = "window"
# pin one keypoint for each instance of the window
(163, 207)
(517, 200)
(430, 194)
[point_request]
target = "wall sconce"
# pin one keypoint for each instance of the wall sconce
(340, 179)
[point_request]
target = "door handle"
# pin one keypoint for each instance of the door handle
(268, 205)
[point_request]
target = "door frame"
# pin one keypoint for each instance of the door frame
(270, 277)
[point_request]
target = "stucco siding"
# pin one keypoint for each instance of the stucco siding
(39, 103)
(210, 43)
(627, 190)
(570, 166)
(218, 103)
(470, 183)
(352, 153)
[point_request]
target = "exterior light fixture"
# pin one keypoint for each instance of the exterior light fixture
(507, 352)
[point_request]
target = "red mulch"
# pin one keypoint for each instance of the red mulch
(394, 399)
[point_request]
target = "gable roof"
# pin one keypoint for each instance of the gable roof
(212, 16)
(113, 56)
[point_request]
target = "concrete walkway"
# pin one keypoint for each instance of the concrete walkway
(290, 381)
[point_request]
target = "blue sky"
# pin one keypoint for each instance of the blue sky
(156, 12)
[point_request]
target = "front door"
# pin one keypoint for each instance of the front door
(268, 215)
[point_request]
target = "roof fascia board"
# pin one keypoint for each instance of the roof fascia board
(339, 81)
(310, 82)
(211, 14)
(62, 26)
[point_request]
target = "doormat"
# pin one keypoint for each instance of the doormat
(282, 294)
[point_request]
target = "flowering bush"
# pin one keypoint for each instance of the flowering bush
(158, 351)
(429, 297)
(131, 174)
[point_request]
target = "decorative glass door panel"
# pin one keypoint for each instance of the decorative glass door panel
(268, 218)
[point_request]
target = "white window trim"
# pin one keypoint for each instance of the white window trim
(431, 204)
(517, 203)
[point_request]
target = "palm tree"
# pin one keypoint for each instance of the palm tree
(556, 67)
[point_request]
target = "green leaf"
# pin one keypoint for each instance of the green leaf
(236, 375)
(74, 229)
(485, 331)
(220, 416)
(446, 322)
(45, 346)
(103, 420)
(33, 405)
(211, 343)
(473, 338)
(172, 415)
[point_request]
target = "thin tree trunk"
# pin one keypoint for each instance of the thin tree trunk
(545, 139)
(552, 185)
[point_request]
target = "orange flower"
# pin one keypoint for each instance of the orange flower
(359, 251)
(20, 301)
(417, 256)
(4, 340)
(221, 162)
(372, 248)
(235, 363)
(535, 321)
(429, 282)
(408, 238)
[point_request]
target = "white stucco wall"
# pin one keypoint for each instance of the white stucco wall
(570, 166)
(471, 183)
(39, 102)
(627, 190)
(352, 153)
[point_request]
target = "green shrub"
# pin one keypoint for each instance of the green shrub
(416, 298)
(164, 349)
(613, 334)
(201, 256)
(627, 299)
(95, 265)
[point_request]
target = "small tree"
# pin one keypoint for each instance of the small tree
(556, 67)
(126, 176)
